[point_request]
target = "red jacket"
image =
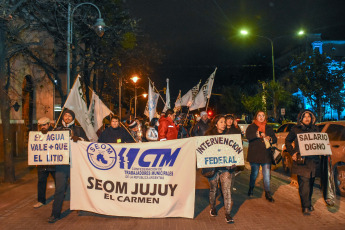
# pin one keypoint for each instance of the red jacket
(167, 130)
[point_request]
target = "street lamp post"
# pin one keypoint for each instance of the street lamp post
(135, 78)
(98, 27)
(244, 32)
(135, 97)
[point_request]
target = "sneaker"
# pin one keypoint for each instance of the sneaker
(213, 212)
(52, 219)
(229, 219)
(38, 205)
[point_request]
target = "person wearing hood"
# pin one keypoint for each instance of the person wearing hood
(260, 137)
(115, 133)
(62, 172)
(304, 167)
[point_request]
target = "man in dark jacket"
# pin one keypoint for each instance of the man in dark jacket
(202, 126)
(115, 133)
(43, 171)
(304, 167)
(62, 173)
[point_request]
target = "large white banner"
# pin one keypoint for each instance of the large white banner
(314, 144)
(151, 180)
(48, 149)
(219, 151)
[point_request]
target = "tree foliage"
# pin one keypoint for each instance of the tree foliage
(320, 79)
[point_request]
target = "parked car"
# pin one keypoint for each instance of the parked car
(336, 134)
(281, 134)
(274, 125)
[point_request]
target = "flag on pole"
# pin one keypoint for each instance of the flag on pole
(177, 108)
(188, 98)
(151, 105)
(167, 98)
(97, 111)
(76, 103)
(204, 93)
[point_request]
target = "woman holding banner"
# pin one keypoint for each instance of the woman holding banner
(304, 167)
(222, 175)
(260, 137)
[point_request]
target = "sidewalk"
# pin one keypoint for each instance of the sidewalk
(16, 211)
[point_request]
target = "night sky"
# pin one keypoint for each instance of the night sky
(198, 35)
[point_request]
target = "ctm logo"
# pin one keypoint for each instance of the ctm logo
(148, 158)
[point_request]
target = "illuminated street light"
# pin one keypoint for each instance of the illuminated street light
(301, 33)
(98, 27)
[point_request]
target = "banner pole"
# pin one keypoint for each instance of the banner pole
(154, 87)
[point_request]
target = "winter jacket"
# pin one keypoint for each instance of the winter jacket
(200, 128)
(233, 130)
(167, 130)
(311, 166)
(74, 131)
(115, 135)
(257, 152)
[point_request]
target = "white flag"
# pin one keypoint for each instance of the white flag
(204, 93)
(76, 103)
(188, 98)
(97, 111)
(177, 108)
(167, 97)
(151, 105)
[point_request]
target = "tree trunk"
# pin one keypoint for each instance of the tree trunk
(5, 105)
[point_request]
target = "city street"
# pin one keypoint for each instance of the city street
(16, 211)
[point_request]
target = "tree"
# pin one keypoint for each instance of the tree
(318, 82)
(231, 99)
(7, 29)
(270, 95)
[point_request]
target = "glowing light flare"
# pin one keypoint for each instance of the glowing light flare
(135, 78)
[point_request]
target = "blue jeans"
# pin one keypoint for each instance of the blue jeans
(266, 172)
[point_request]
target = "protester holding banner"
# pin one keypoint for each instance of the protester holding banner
(152, 131)
(115, 133)
(260, 137)
(167, 130)
(306, 167)
(231, 124)
(43, 171)
(62, 173)
(222, 175)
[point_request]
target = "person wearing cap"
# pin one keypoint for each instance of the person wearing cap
(134, 130)
(62, 172)
(43, 171)
(115, 133)
(167, 130)
(202, 125)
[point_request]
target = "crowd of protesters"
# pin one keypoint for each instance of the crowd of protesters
(170, 126)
